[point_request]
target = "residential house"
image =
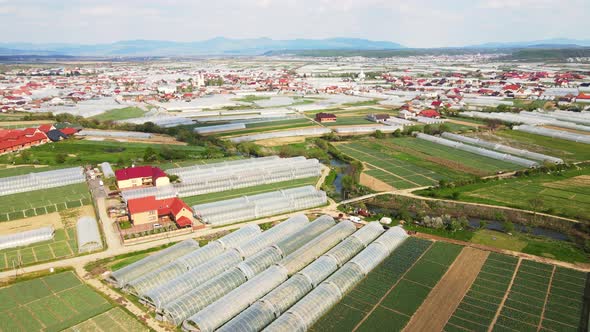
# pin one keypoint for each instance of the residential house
(142, 176)
(325, 117)
(149, 210)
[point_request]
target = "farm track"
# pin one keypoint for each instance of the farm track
(446, 296)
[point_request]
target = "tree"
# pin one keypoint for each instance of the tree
(492, 124)
(536, 204)
(379, 134)
(60, 158)
(483, 224)
(444, 128)
(397, 133)
(150, 154)
(455, 195)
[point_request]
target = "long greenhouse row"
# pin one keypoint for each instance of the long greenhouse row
(249, 280)
(42, 180)
(282, 134)
(502, 148)
(479, 151)
(210, 178)
(261, 205)
(534, 119)
(27, 237)
(554, 133)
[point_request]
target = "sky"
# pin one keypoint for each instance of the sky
(412, 23)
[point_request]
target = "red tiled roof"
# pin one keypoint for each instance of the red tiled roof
(163, 206)
(69, 131)
(21, 140)
(583, 96)
(184, 222)
(429, 113)
(45, 128)
(139, 172)
(325, 116)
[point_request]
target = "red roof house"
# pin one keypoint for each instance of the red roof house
(141, 176)
(325, 117)
(430, 114)
(149, 210)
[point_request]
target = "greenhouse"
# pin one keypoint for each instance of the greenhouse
(426, 120)
(193, 259)
(107, 170)
(219, 128)
(503, 148)
(25, 238)
(281, 134)
(479, 151)
(554, 133)
(366, 129)
(88, 235)
(272, 305)
(260, 205)
(219, 312)
(198, 181)
(174, 288)
(302, 315)
(133, 271)
(205, 294)
(42, 180)
(115, 134)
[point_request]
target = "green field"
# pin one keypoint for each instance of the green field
(113, 320)
(453, 156)
(478, 308)
(251, 98)
(393, 291)
(51, 303)
(229, 194)
(120, 114)
(541, 298)
(261, 127)
(565, 193)
(398, 169)
(63, 245)
(79, 152)
(567, 150)
(40, 202)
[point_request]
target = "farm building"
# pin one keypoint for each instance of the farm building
(325, 117)
(378, 117)
(142, 176)
(88, 235)
(147, 210)
(430, 114)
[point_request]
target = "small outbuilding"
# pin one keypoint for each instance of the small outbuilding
(88, 235)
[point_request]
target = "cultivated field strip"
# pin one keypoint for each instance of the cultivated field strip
(397, 173)
(50, 303)
(113, 320)
(478, 308)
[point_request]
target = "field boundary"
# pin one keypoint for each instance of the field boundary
(493, 323)
(458, 279)
(401, 277)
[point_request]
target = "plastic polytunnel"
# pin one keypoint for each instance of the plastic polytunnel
(185, 263)
(27, 237)
(224, 309)
(200, 297)
(302, 315)
(179, 286)
(272, 305)
(121, 277)
(88, 235)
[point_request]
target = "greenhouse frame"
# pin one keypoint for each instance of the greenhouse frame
(554, 133)
(42, 180)
(88, 235)
(303, 314)
(200, 297)
(479, 151)
(121, 277)
(183, 264)
(107, 170)
(261, 205)
(272, 305)
(224, 309)
(502, 148)
(281, 134)
(25, 238)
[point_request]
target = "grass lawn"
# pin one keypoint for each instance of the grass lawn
(50, 303)
(80, 152)
(223, 195)
(120, 114)
(39, 202)
(498, 240)
(566, 193)
(349, 121)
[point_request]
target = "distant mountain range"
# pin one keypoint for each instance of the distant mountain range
(215, 46)
(257, 46)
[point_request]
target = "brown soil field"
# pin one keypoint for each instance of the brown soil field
(280, 141)
(579, 132)
(445, 297)
(374, 183)
(28, 224)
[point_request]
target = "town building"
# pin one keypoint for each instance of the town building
(325, 117)
(141, 176)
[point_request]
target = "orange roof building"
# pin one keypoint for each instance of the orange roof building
(149, 210)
